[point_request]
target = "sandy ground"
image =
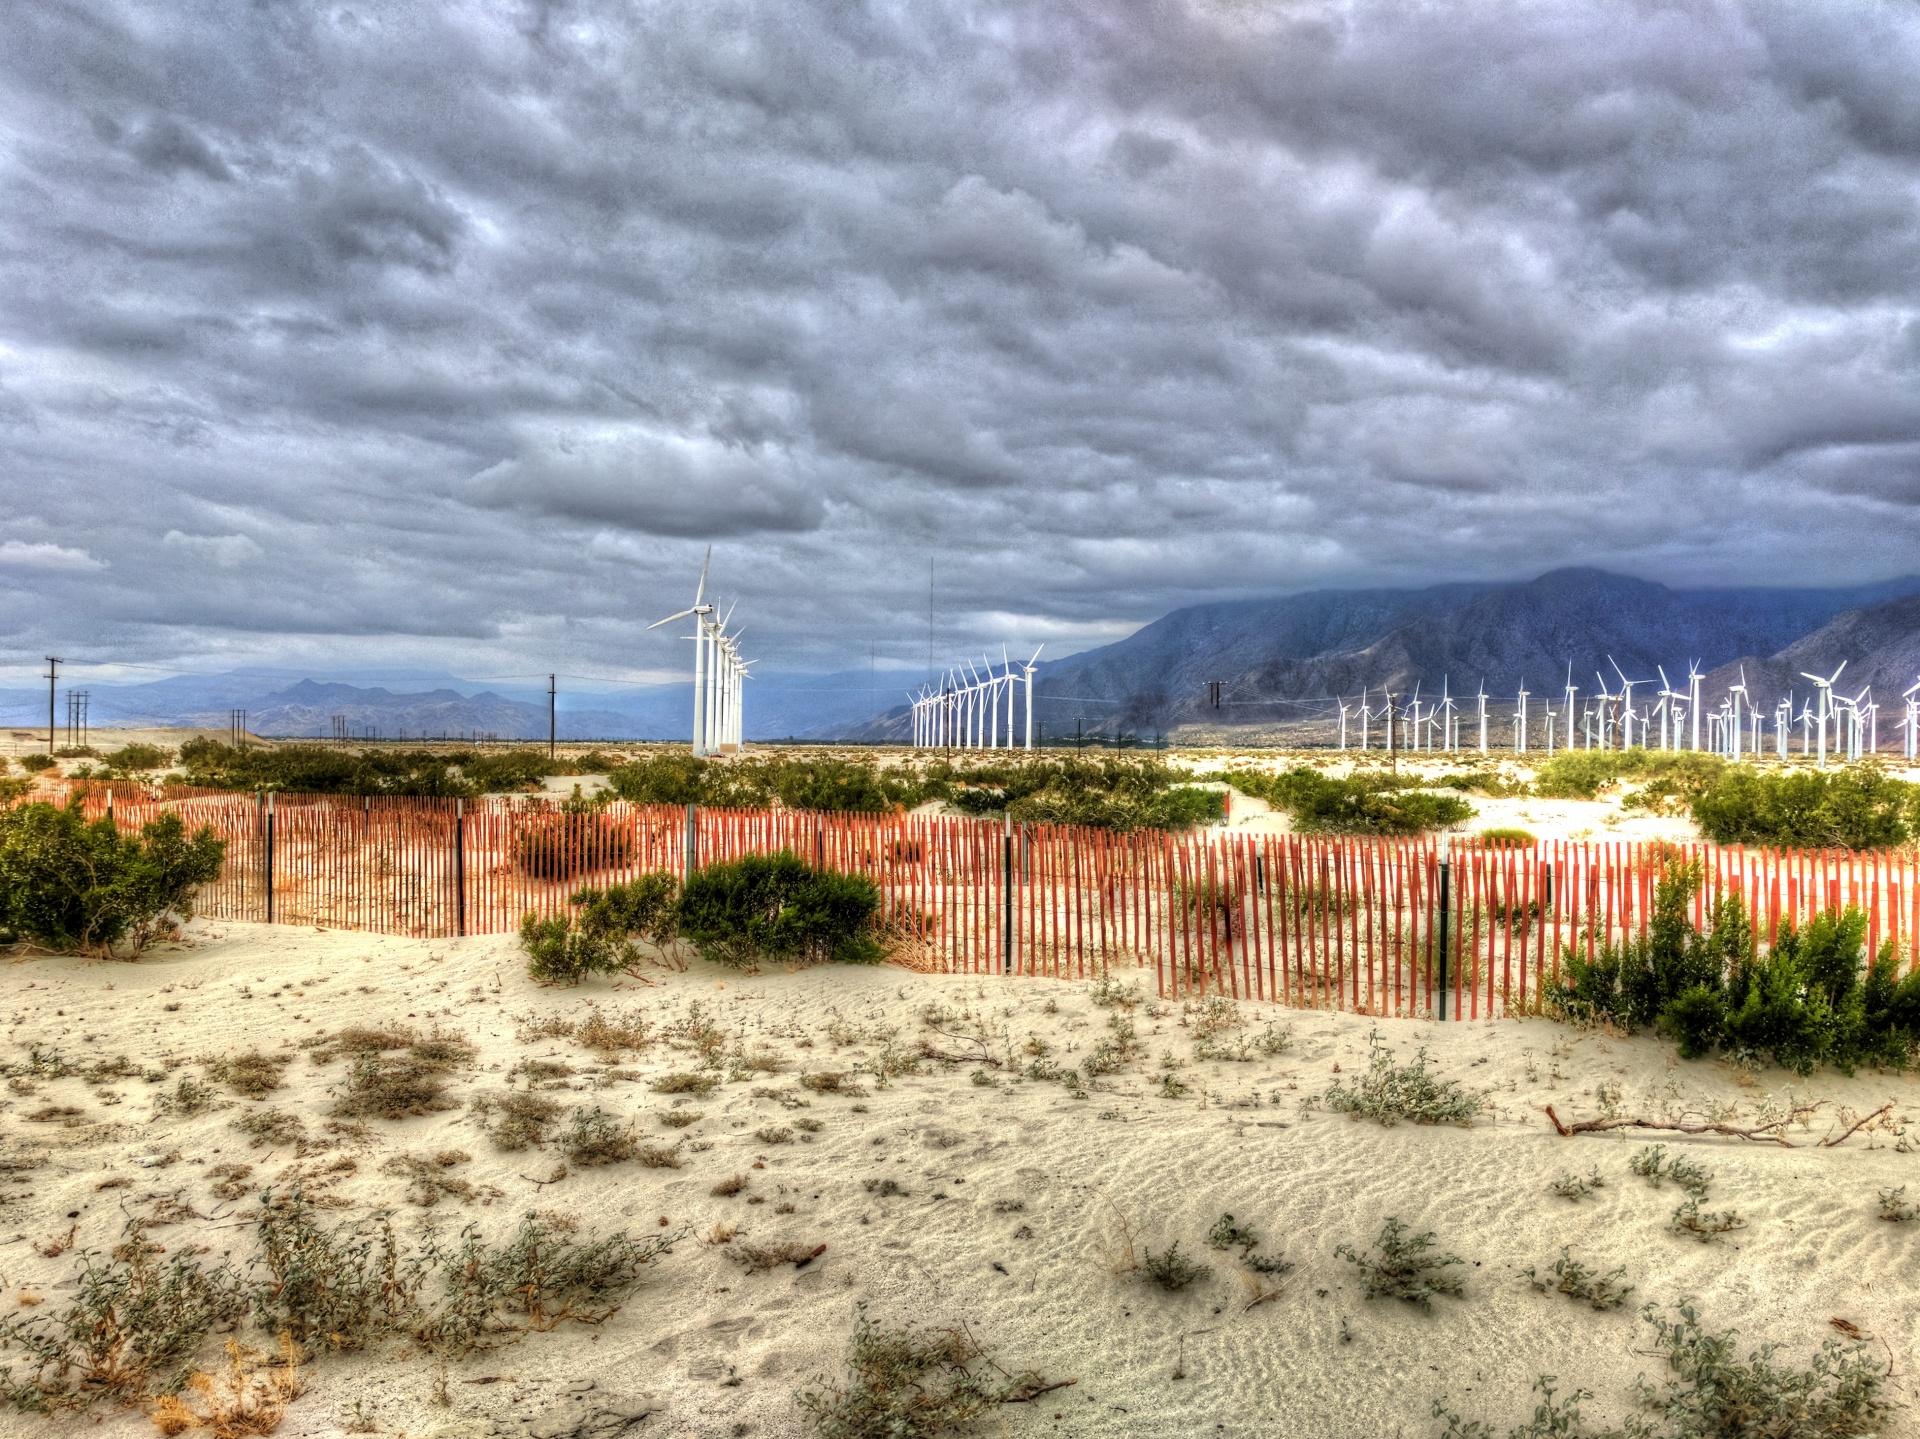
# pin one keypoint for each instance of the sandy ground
(1014, 1195)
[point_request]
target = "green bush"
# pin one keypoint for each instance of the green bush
(832, 785)
(323, 769)
(1813, 998)
(504, 771)
(764, 907)
(36, 763)
(1852, 808)
(648, 906)
(66, 884)
(136, 759)
(668, 777)
(1369, 803)
(561, 951)
(567, 843)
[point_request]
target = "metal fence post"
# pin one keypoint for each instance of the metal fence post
(459, 867)
(269, 858)
(1445, 896)
(691, 857)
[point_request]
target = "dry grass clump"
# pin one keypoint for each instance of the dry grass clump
(884, 1188)
(270, 1126)
(190, 1097)
(658, 1156)
(1387, 1093)
(759, 1258)
(774, 1134)
(515, 1120)
(381, 1088)
(833, 1081)
(230, 1180)
(1569, 1276)
(681, 1118)
(249, 1398)
(727, 1188)
(1403, 1265)
(324, 1048)
(914, 1384)
(594, 1137)
(700, 1085)
(252, 1075)
(428, 1181)
(613, 1035)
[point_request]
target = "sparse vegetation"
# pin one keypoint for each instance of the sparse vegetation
(516, 1119)
(1572, 1186)
(914, 1384)
(1387, 1093)
(594, 1137)
(382, 1088)
(1403, 1265)
(1170, 1269)
(252, 1075)
(1378, 802)
(1896, 1208)
(1573, 1278)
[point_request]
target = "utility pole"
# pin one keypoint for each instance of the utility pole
(53, 668)
(553, 727)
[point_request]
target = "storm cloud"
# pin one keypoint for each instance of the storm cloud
(453, 333)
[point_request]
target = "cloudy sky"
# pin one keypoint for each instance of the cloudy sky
(449, 334)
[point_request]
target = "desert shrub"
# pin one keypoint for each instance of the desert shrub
(253, 1075)
(593, 1137)
(381, 1088)
(1507, 836)
(764, 907)
(611, 1035)
(913, 1384)
(1388, 1092)
(506, 770)
(1367, 803)
(36, 763)
(667, 777)
(1853, 808)
(137, 759)
(324, 769)
(700, 1085)
(1811, 999)
(66, 884)
(517, 1119)
(647, 906)
(832, 785)
(562, 950)
(129, 1333)
(538, 1279)
(562, 844)
(1576, 1280)
(338, 1287)
(1896, 1208)
(833, 1081)
(1403, 1265)
(270, 1126)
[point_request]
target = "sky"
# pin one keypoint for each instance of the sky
(450, 335)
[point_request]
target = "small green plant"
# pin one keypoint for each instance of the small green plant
(1573, 1278)
(1403, 1265)
(1572, 1186)
(1649, 1163)
(1896, 1208)
(1172, 1088)
(1653, 1165)
(1702, 1224)
(1387, 1093)
(129, 1333)
(913, 1384)
(1230, 1233)
(1170, 1269)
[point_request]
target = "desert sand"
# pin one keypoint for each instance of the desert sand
(1014, 1198)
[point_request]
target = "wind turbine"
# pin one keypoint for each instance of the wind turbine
(1483, 716)
(1913, 717)
(1824, 687)
(701, 612)
(1626, 712)
(1520, 721)
(1693, 702)
(1572, 690)
(1736, 695)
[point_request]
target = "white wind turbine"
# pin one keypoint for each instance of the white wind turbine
(1736, 696)
(1912, 697)
(1693, 699)
(1483, 716)
(1626, 712)
(702, 614)
(1824, 688)
(1520, 721)
(1446, 716)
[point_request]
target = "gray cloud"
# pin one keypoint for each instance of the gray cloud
(452, 334)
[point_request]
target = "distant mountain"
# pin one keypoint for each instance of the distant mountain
(1879, 644)
(1279, 662)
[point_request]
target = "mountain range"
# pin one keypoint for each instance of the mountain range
(1280, 665)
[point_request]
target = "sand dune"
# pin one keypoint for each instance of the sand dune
(1014, 1193)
